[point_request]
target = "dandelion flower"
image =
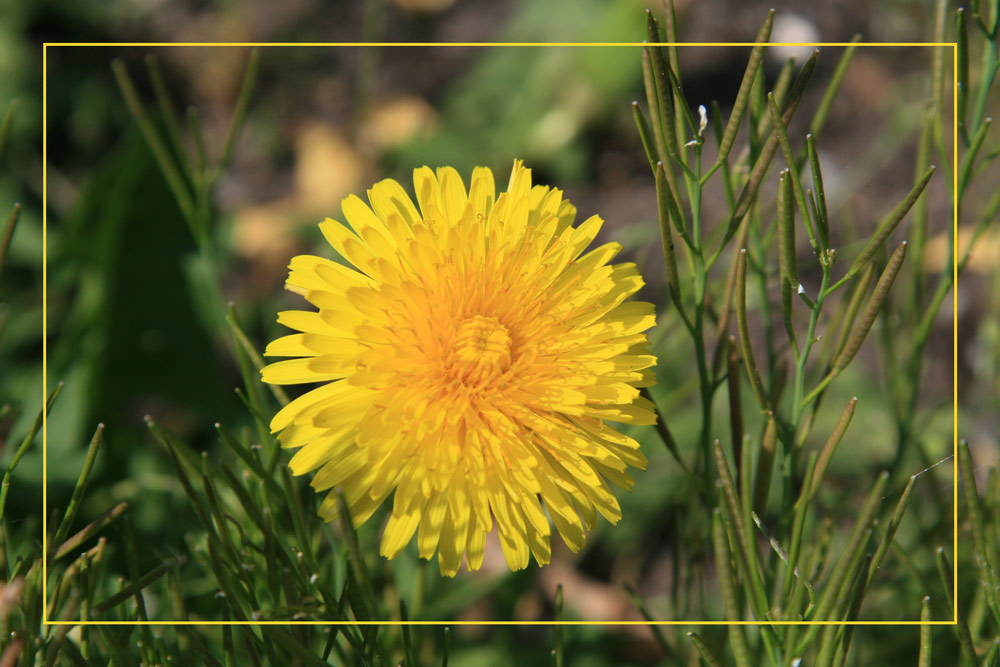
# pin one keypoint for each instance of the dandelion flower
(470, 361)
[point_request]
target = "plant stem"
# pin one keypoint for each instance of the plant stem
(798, 405)
(705, 383)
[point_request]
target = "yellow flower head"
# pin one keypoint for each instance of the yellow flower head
(471, 360)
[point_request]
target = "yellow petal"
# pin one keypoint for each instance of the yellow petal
(363, 219)
(398, 533)
(388, 197)
(306, 321)
(328, 445)
(427, 188)
(475, 547)
(348, 246)
(453, 199)
(288, 346)
(306, 402)
(584, 235)
(563, 514)
(339, 470)
(515, 547)
(430, 524)
(481, 192)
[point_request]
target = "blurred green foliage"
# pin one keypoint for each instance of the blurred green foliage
(538, 103)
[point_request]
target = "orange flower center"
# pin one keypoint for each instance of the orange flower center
(480, 350)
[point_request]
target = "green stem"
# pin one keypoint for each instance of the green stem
(798, 405)
(991, 62)
(705, 383)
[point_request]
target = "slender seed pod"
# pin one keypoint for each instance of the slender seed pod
(871, 310)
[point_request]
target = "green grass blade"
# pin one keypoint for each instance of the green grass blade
(667, 238)
(135, 587)
(926, 633)
(763, 161)
(653, 104)
(657, 630)
(8, 234)
(737, 638)
(251, 462)
(831, 445)
(242, 103)
(890, 530)
(407, 643)
(671, 444)
(787, 271)
(703, 650)
(5, 125)
(826, 608)
(765, 465)
(178, 187)
(133, 573)
(878, 296)
(962, 54)
(744, 332)
(795, 183)
(670, 29)
(301, 653)
(272, 574)
(888, 225)
(664, 99)
(801, 510)
(174, 451)
(167, 109)
(228, 650)
(680, 102)
(746, 548)
(822, 215)
(727, 175)
(249, 504)
(938, 55)
(252, 354)
(788, 268)
(969, 159)
(294, 501)
(743, 95)
(81, 486)
(22, 449)
(843, 634)
(844, 323)
(735, 409)
(961, 626)
(354, 548)
(645, 135)
(830, 94)
(221, 521)
(974, 508)
(664, 205)
(557, 631)
(198, 137)
(731, 497)
(991, 655)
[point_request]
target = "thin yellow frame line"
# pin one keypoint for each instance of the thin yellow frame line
(954, 329)
(954, 48)
(45, 330)
(384, 44)
(500, 623)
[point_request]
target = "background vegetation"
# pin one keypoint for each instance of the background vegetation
(164, 281)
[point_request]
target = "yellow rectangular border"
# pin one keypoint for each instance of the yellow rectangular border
(954, 456)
